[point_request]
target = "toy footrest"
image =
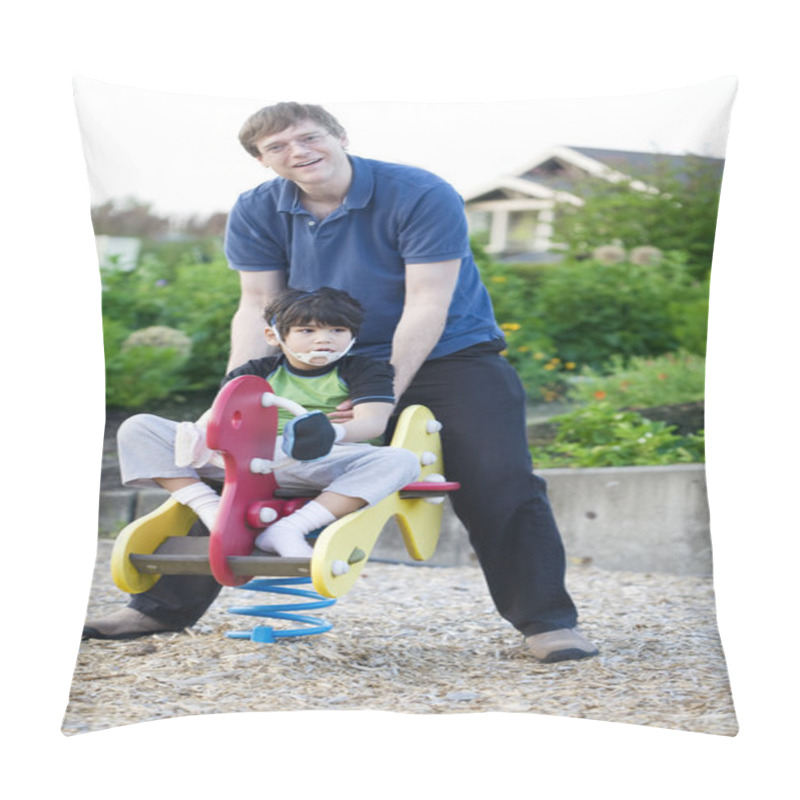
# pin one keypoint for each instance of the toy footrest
(188, 555)
(416, 489)
(428, 489)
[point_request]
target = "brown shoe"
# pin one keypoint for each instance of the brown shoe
(560, 645)
(127, 623)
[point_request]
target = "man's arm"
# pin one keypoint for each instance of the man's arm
(247, 326)
(369, 421)
(429, 290)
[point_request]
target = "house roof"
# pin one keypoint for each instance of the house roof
(642, 165)
(561, 169)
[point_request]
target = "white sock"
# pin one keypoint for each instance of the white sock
(286, 537)
(202, 499)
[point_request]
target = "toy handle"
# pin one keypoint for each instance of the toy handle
(269, 399)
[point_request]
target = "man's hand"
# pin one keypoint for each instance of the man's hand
(343, 413)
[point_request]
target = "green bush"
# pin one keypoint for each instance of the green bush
(198, 299)
(598, 435)
(689, 315)
(643, 382)
(139, 373)
(592, 310)
(203, 300)
(561, 318)
(160, 336)
(680, 216)
(529, 351)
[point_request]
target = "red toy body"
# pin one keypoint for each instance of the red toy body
(242, 429)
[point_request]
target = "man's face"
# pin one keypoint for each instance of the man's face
(305, 153)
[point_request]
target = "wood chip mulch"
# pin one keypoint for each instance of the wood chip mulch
(421, 640)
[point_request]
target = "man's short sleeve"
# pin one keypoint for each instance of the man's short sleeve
(435, 228)
(250, 243)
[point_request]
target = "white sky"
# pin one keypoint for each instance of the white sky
(419, 52)
(180, 151)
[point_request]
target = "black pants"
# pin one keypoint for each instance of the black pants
(478, 398)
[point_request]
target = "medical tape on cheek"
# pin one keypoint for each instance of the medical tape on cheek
(307, 358)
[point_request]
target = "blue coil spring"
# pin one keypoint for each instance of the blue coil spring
(283, 611)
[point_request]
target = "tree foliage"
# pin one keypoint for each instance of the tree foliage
(132, 217)
(128, 217)
(678, 213)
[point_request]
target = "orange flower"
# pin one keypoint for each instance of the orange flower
(600, 395)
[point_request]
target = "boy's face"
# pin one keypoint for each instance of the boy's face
(310, 340)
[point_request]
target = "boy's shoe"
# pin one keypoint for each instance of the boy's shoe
(560, 645)
(127, 623)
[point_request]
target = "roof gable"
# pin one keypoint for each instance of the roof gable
(560, 170)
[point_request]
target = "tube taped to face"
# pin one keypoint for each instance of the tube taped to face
(312, 357)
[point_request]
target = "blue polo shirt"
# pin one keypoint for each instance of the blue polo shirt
(394, 216)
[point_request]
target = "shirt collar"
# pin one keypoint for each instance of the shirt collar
(358, 196)
(313, 372)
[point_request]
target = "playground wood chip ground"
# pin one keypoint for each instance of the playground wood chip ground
(421, 640)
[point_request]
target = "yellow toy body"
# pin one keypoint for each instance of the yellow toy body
(343, 547)
(146, 535)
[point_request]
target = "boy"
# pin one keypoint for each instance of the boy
(314, 332)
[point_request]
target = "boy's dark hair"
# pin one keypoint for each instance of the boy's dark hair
(324, 306)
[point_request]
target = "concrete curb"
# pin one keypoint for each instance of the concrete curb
(639, 519)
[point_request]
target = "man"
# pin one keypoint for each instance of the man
(395, 237)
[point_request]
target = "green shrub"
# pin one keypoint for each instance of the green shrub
(546, 377)
(643, 382)
(529, 351)
(689, 315)
(598, 435)
(139, 373)
(197, 299)
(592, 310)
(561, 318)
(680, 216)
(160, 336)
(203, 300)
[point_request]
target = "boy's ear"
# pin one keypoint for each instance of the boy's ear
(271, 337)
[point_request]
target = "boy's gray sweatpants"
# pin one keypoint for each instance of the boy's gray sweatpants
(146, 446)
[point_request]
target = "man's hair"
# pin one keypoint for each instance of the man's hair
(277, 118)
(324, 306)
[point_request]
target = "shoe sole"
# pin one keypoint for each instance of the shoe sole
(567, 655)
(93, 633)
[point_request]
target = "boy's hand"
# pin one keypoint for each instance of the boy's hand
(308, 437)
